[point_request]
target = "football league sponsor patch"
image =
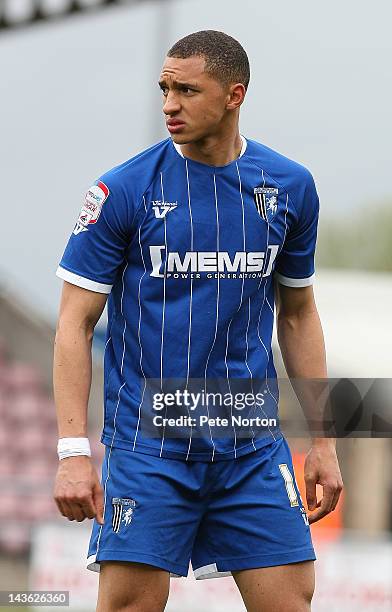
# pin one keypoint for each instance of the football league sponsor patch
(92, 206)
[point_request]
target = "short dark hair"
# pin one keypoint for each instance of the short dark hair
(226, 59)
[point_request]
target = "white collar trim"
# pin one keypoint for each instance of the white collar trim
(243, 148)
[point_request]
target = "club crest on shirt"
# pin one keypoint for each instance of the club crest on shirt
(123, 509)
(92, 206)
(266, 200)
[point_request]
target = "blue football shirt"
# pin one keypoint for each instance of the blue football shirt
(188, 254)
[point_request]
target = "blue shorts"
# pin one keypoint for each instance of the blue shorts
(230, 515)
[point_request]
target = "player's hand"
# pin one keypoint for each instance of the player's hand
(322, 467)
(77, 490)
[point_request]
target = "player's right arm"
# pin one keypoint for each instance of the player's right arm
(77, 491)
(90, 265)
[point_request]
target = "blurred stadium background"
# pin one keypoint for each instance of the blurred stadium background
(78, 95)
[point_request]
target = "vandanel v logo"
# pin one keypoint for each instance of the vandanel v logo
(162, 208)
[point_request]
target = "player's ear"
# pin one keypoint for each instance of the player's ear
(236, 96)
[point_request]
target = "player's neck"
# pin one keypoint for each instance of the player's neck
(214, 150)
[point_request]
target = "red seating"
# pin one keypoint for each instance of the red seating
(28, 457)
(14, 537)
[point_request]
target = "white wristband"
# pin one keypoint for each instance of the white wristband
(73, 447)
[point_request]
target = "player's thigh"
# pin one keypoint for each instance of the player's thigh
(126, 586)
(284, 588)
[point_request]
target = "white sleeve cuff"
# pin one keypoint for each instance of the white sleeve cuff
(83, 282)
(294, 282)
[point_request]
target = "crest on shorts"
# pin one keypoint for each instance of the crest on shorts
(92, 206)
(122, 512)
(266, 200)
(304, 516)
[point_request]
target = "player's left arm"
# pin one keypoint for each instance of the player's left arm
(301, 341)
